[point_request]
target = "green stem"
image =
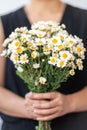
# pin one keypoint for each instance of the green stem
(43, 125)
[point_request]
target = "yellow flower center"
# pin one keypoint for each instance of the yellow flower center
(79, 49)
(30, 43)
(60, 47)
(61, 63)
(53, 59)
(54, 40)
(79, 63)
(64, 55)
(16, 58)
(17, 43)
(24, 38)
(19, 50)
(67, 44)
(71, 42)
(42, 81)
(72, 72)
(24, 58)
(40, 42)
(46, 48)
(33, 55)
(61, 37)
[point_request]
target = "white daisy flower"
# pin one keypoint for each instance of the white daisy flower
(69, 42)
(36, 66)
(16, 43)
(59, 47)
(42, 80)
(65, 55)
(62, 36)
(46, 52)
(36, 83)
(24, 59)
(6, 42)
(14, 58)
(40, 34)
(21, 30)
(20, 69)
(34, 54)
(72, 72)
(19, 50)
(55, 40)
(40, 41)
(4, 53)
(52, 60)
(79, 50)
(13, 35)
(24, 38)
(79, 63)
(61, 63)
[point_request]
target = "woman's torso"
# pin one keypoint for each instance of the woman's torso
(76, 24)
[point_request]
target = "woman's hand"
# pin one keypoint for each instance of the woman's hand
(47, 106)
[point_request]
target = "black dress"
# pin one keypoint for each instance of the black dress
(76, 22)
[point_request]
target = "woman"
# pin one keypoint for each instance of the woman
(67, 108)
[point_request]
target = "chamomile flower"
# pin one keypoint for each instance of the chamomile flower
(61, 63)
(59, 47)
(70, 41)
(6, 42)
(4, 53)
(40, 34)
(62, 36)
(23, 30)
(14, 58)
(65, 55)
(36, 66)
(34, 47)
(13, 35)
(24, 38)
(47, 52)
(72, 65)
(54, 29)
(20, 69)
(16, 43)
(30, 43)
(79, 64)
(24, 59)
(40, 41)
(50, 47)
(40, 26)
(34, 54)
(52, 60)
(72, 72)
(79, 50)
(45, 48)
(36, 83)
(42, 80)
(55, 40)
(19, 50)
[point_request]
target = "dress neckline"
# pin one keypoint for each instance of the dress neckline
(66, 11)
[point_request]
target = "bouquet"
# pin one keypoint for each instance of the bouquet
(44, 57)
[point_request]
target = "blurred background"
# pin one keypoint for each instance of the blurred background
(10, 5)
(7, 6)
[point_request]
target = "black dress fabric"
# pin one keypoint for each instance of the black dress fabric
(76, 24)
